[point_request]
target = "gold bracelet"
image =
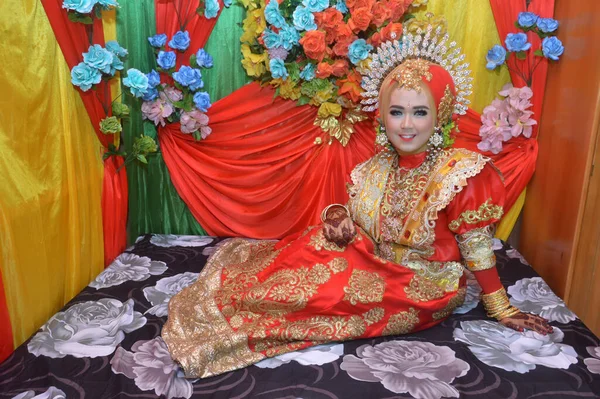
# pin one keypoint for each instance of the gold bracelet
(324, 213)
(497, 305)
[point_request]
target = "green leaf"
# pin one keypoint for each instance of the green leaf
(200, 10)
(408, 17)
(538, 53)
(294, 71)
(98, 12)
(521, 55)
(142, 159)
(276, 93)
(179, 104)
(303, 100)
(188, 102)
(193, 62)
(197, 136)
(80, 18)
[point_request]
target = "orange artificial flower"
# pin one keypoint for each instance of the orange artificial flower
(362, 4)
(350, 87)
(360, 20)
(386, 33)
(329, 19)
(314, 44)
(324, 70)
(381, 13)
(398, 8)
(341, 47)
(339, 68)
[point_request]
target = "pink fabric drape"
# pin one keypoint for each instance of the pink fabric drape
(73, 40)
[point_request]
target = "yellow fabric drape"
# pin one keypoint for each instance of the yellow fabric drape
(50, 174)
(471, 24)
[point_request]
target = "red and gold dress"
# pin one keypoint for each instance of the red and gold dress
(418, 228)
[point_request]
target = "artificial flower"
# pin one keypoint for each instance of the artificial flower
(304, 19)
(153, 78)
(137, 82)
(84, 76)
(547, 25)
(495, 57)
(360, 20)
(273, 15)
(166, 59)
(158, 41)
(116, 49)
(99, 58)
(211, 8)
(552, 48)
(80, 6)
(314, 45)
(359, 50)
(110, 125)
(527, 19)
(278, 69)
(329, 109)
(253, 63)
(158, 110)
(180, 41)
(517, 42)
(350, 87)
(189, 77)
(203, 59)
(289, 37)
(193, 121)
(324, 70)
(308, 72)
(202, 101)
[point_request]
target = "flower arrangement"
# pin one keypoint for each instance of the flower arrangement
(182, 100)
(312, 51)
(506, 118)
(83, 11)
(510, 116)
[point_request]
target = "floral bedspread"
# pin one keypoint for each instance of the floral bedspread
(106, 343)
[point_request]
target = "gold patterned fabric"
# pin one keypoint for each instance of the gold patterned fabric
(476, 248)
(257, 299)
(486, 211)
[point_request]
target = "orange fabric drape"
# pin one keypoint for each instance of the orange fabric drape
(73, 40)
(260, 174)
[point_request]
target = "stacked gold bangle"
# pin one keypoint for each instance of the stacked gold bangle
(497, 305)
(324, 213)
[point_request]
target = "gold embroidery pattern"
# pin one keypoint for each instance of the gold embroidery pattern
(323, 328)
(366, 194)
(445, 108)
(422, 290)
(485, 212)
(402, 323)
(373, 316)
(476, 248)
(409, 74)
(445, 275)
(338, 265)
(320, 243)
(454, 302)
(364, 287)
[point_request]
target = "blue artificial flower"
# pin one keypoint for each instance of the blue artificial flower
(308, 73)
(84, 76)
(189, 77)
(203, 59)
(271, 39)
(304, 19)
(552, 48)
(547, 25)
(116, 49)
(495, 57)
(527, 19)
(289, 37)
(137, 82)
(273, 15)
(166, 59)
(117, 65)
(278, 69)
(151, 94)
(80, 6)
(153, 78)
(107, 3)
(211, 8)
(315, 5)
(517, 42)
(227, 3)
(341, 6)
(358, 51)
(158, 40)
(180, 41)
(202, 101)
(99, 58)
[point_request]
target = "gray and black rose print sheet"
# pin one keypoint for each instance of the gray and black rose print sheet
(106, 343)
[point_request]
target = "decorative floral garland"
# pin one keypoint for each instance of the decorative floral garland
(312, 51)
(510, 117)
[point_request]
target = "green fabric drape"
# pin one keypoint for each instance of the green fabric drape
(227, 75)
(154, 205)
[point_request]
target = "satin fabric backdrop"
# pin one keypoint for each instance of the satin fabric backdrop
(73, 40)
(261, 175)
(50, 177)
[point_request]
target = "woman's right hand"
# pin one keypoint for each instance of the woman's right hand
(338, 227)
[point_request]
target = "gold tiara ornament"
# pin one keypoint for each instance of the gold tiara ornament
(429, 45)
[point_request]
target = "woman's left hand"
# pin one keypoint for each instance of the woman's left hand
(522, 321)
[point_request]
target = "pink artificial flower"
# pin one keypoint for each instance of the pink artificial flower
(172, 94)
(157, 110)
(193, 121)
(523, 93)
(522, 124)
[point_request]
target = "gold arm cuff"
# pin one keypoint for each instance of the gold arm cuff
(324, 213)
(476, 248)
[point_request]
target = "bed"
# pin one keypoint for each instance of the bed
(105, 343)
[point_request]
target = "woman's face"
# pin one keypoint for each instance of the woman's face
(410, 120)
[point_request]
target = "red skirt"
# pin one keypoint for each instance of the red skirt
(258, 299)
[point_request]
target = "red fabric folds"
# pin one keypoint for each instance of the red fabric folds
(260, 174)
(73, 39)
(6, 337)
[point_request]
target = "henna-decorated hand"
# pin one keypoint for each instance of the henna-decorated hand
(338, 227)
(522, 321)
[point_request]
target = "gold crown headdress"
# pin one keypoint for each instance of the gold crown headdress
(428, 45)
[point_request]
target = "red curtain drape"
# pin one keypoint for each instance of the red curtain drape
(73, 40)
(6, 337)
